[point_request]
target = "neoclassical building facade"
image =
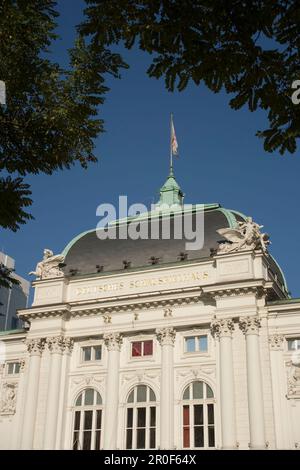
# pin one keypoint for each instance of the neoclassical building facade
(142, 344)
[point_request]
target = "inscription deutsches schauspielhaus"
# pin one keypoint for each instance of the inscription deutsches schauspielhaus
(162, 281)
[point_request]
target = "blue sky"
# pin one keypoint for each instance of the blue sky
(221, 160)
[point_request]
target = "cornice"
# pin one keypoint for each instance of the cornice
(54, 310)
(89, 309)
(138, 306)
(206, 295)
(236, 254)
(18, 336)
(259, 287)
(285, 307)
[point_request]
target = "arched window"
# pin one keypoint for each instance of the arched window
(87, 421)
(198, 416)
(141, 418)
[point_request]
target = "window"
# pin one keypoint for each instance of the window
(198, 416)
(91, 353)
(195, 343)
(293, 344)
(141, 418)
(13, 367)
(87, 421)
(142, 348)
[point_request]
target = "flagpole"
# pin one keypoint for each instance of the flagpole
(171, 153)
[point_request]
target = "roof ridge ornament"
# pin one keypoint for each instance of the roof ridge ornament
(246, 236)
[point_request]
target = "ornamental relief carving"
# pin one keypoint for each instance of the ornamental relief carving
(8, 398)
(87, 379)
(140, 375)
(106, 318)
(196, 373)
(168, 312)
(22, 364)
(293, 376)
(276, 342)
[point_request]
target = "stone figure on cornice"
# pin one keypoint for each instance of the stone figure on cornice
(246, 236)
(50, 266)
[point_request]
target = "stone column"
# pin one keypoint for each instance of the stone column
(166, 338)
(35, 348)
(278, 376)
(250, 327)
(56, 347)
(222, 329)
(17, 436)
(113, 342)
(61, 419)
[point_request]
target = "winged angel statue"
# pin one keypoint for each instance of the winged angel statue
(50, 266)
(246, 236)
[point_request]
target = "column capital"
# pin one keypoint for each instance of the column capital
(69, 343)
(166, 336)
(250, 325)
(222, 327)
(56, 344)
(35, 346)
(276, 342)
(59, 344)
(113, 341)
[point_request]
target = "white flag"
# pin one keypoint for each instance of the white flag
(174, 143)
